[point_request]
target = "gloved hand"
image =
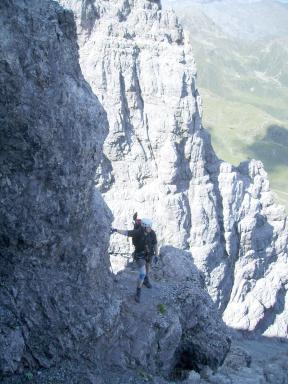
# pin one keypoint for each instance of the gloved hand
(113, 230)
(156, 259)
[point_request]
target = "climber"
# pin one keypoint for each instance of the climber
(145, 242)
(137, 224)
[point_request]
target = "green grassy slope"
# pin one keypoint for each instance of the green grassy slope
(244, 87)
(234, 140)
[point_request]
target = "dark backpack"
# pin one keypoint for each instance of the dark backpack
(137, 224)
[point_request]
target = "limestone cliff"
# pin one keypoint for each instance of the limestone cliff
(158, 161)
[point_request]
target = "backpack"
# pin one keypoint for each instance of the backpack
(137, 224)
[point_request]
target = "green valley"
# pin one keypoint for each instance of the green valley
(243, 81)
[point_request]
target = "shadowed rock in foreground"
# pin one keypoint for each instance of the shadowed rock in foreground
(55, 283)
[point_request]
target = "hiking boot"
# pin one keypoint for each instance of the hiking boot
(146, 282)
(138, 295)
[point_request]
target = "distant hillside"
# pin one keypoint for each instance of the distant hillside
(241, 51)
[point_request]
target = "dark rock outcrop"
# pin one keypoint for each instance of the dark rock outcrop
(54, 293)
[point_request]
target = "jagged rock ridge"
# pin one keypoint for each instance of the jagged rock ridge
(159, 161)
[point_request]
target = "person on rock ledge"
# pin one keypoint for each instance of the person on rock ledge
(145, 242)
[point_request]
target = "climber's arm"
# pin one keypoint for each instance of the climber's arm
(124, 232)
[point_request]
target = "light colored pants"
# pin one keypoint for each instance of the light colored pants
(143, 268)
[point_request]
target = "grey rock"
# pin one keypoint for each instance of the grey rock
(206, 373)
(194, 378)
(158, 160)
(259, 361)
(58, 302)
(176, 326)
(55, 292)
(238, 358)
(277, 373)
(12, 348)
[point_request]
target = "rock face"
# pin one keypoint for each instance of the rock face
(176, 327)
(158, 161)
(54, 269)
(58, 302)
(261, 361)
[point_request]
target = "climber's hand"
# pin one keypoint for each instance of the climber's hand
(156, 259)
(113, 230)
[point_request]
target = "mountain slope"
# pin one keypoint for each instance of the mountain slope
(246, 81)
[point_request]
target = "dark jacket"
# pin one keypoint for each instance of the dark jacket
(143, 241)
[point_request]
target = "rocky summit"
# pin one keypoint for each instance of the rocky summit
(158, 160)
